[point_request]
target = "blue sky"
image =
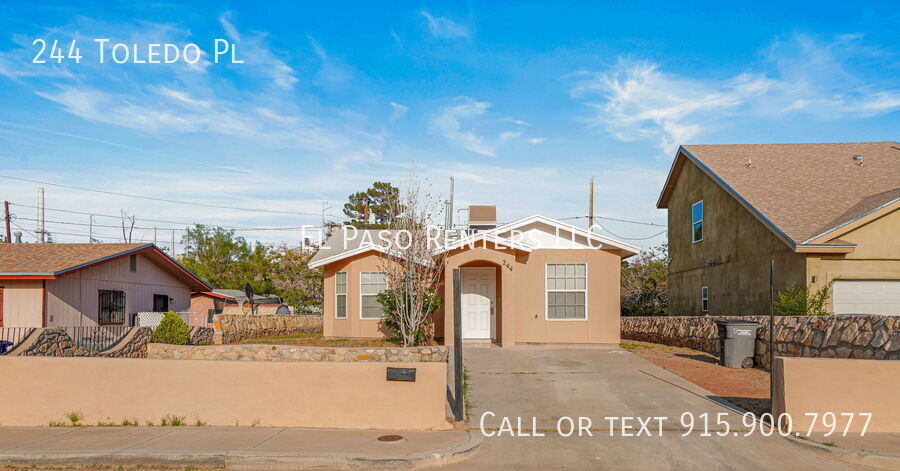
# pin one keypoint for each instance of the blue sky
(521, 101)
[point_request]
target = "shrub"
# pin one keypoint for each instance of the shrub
(391, 315)
(798, 301)
(172, 330)
(172, 420)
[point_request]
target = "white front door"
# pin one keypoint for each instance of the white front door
(880, 297)
(478, 293)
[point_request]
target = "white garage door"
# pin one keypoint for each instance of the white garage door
(867, 297)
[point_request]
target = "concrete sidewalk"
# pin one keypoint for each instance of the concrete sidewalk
(875, 450)
(239, 448)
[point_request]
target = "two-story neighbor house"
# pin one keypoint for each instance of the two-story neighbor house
(822, 212)
(61, 285)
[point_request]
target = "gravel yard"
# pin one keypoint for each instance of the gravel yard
(746, 388)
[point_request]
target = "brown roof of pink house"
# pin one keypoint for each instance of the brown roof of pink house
(803, 191)
(48, 261)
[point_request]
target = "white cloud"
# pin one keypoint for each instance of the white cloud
(537, 140)
(258, 57)
(333, 73)
(450, 123)
(398, 111)
(638, 100)
(444, 28)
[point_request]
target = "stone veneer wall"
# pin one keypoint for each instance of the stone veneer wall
(251, 352)
(236, 328)
(865, 337)
(50, 342)
(202, 335)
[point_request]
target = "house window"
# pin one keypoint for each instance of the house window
(704, 299)
(160, 303)
(697, 221)
(566, 291)
(370, 284)
(340, 295)
(112, 307)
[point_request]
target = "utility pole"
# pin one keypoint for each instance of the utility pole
(40, 221)
(172, 252)
(91, 229)
(154, 235)
(6, 209)
(591, 208)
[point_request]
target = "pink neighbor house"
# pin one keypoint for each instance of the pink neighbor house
(61, 285)
(536, 280)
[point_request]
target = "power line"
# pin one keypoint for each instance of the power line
(174, 228)
(164, 200)
(632, 238)
(615, 219)
(85, 213)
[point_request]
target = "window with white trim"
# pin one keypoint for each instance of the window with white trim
(697, 221)
(370, 284)
(704, 299)
(566, 291)
(340, 295)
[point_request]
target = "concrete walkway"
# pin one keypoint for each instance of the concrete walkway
(547, 383)
(233, 447)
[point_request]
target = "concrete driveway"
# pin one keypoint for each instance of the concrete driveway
(541, 384)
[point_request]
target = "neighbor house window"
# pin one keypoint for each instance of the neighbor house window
(697, 221)
(160, 302)
(704, 299)
(566, 291)
(112, 307)
(132, 262)
(340, 295)
(370, 284)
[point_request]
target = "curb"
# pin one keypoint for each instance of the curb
(247, 461)
(872, 460)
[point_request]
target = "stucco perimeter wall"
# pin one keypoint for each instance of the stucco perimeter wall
(819, 385)
(866, 337)
(235, 328)
(223, 393)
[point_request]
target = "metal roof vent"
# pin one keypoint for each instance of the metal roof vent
(482, 216)
(858, 159)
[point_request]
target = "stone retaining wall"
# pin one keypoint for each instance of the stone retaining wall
(298, 353)
(202, 335)
(50, 342)
(865, 337)
(236, 328)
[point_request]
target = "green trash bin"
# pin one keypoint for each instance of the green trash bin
(737, 342)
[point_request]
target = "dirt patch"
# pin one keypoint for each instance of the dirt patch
(746, 387)
(316, 340)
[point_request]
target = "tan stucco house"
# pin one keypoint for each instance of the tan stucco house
(62, 285)
(534, 280)
(822, 212)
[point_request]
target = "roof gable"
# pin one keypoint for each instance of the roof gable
(804, 193)
(559, 235)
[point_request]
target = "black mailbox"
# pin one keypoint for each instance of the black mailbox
(401, 374)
